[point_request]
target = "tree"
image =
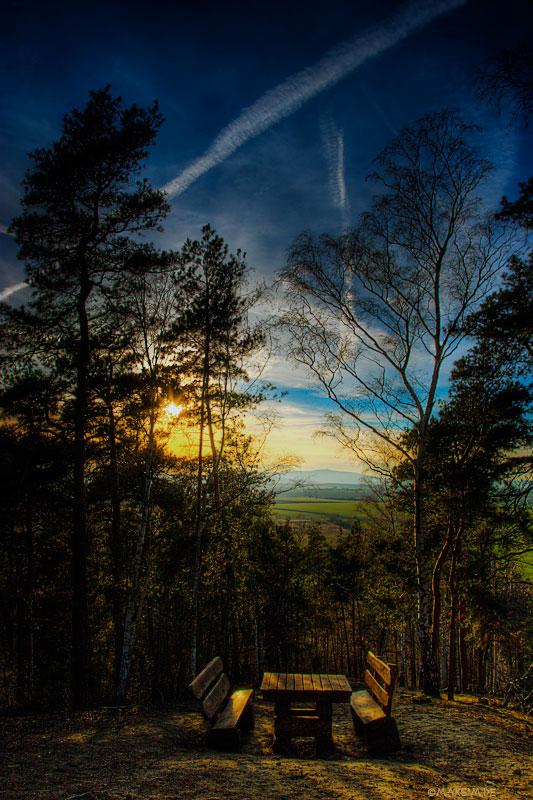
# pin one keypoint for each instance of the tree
(217, 341)
(480, 437)
(509, 78)
(149, 314)
(78, 234)
(374, 314)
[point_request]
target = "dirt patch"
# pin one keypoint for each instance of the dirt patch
(159, 754)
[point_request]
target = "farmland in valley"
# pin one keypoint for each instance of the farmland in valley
(332, 507)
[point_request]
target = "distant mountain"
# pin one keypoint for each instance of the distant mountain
(319, 477)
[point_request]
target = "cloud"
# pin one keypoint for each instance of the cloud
(5, 293)
(294, 436)
(290, 95)
(3, 229)
(283, 373)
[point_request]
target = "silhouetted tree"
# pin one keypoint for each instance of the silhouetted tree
(78, 233)
(375, 313)
(217, 341)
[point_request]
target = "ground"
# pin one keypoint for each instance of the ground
(449, 749)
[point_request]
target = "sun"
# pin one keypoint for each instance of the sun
(172, 410)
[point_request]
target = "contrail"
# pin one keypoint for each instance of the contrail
(333, 141)
(292, 93)
(344, 203)
(5, 293)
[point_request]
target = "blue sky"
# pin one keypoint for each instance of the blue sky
(305, 152)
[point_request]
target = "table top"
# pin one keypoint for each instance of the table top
(290, 686)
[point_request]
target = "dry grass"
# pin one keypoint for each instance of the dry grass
(159, 754)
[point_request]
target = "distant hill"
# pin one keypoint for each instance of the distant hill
(321, 477)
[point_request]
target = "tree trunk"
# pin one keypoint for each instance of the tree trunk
(437, 597)
(463, 652)
(428, 669)
(454, 605)
(402, 677)
(193, 667)
(413, 655)
(29, 594)
(257, 651)
(346, 637)
(115, 544)
(135, 600)
(81, 641)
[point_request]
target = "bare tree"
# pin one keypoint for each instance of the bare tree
(509, 78)
(375, 313)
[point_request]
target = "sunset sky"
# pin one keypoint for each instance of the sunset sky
(274, 112)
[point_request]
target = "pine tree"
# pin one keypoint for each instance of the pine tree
(78, 234)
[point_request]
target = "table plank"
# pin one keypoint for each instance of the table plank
(300, 687)
(268, 682)
(345, 683)
(317, 683)
(326, 683)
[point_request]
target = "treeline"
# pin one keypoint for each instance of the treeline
(124, 568)
(111, 547)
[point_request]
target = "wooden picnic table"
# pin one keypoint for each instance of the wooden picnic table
(319, 690)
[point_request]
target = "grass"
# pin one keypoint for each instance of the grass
(526, 563)
(344, 508)
(324, 508)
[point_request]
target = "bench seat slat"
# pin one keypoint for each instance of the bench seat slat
(366, 707)
(234, 709)
(371, 708)
(226, 715)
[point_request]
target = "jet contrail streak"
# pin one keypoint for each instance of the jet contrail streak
(5, 293)
(333, 141)
(341, 182)
(292, 93)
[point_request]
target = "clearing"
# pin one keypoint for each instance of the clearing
(449, 749)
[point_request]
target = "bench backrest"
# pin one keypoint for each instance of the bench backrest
(211, 687)
(380, 679)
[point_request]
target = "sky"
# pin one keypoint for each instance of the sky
(273, 113)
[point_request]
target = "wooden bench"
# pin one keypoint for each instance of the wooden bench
(371, 708)
(226, 713)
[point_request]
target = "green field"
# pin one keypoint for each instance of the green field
(305, 505)
(527, 565)
(336, 506)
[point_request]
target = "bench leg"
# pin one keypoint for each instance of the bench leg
(358, 726)
(225, 739)
(248, 720)
(382, 737)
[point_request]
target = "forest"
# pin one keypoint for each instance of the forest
(128, 562)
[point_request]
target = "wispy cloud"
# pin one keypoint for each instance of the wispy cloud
(333, 141)
(5, 293)
(290, 95)
(3, 229)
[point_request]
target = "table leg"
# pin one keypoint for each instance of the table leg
(282, 741)
(324, 741)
